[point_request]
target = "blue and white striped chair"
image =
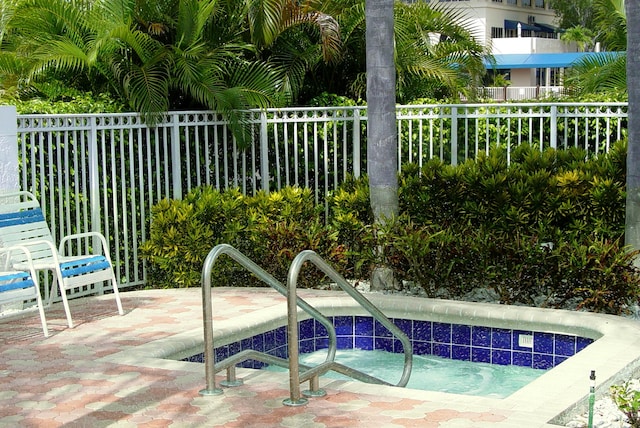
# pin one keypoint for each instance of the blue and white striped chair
(19, 286)
(22, 223)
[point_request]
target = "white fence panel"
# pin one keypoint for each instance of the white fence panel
(105, 172)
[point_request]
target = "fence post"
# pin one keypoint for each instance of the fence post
(454, 135)
(9, 149)
(264, 151)
(356, 143)
(176, 157)
(553, 128)
(94, 180)
(94, 186)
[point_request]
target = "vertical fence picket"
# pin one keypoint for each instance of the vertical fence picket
(107, 171)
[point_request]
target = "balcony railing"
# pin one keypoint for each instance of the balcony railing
(521, 93)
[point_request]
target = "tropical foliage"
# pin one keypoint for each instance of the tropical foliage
(224, 55)
(606, 71)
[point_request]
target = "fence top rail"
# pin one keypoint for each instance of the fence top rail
(168, 115)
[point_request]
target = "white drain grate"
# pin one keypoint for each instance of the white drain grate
(525, 341)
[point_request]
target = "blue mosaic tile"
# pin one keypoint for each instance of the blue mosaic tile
(345, 342)
(406, 326)
(343, 326)
(496, 346)
(543, 343)
(441, 332)
(363, 326)
(565, 345)
(481, 336)
(442, 350)
(246, 343)
(422, 330)
(282, 352)
(270, 340)
(422, 348)
(501, 338)
(582, 342)
(542, 361)
(306, 346)
(322, 342)
(558, 360)
(365, 343)
(383, 344)
(462, 353)
(500, 357)
(258, 343)
(398, 348)
(234, 348)
(222, 352)
(281, 335)
(461, 334)
(321, 331)
(380, 330)
(523, 359)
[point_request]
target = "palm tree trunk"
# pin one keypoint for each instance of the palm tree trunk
(632, 221)
(381, 120)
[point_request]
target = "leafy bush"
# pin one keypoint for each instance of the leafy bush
(71, 103)
(627, 399)
(545, 231)
(269, 228)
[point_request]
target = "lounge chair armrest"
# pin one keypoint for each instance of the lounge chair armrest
(19, 248)
(100, 236)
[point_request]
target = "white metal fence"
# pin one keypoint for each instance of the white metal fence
(105, 172)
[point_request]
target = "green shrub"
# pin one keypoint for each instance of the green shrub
(269, 228)
(69, 103)
(628, 401)
(545, 231)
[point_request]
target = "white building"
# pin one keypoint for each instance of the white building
(523, 38)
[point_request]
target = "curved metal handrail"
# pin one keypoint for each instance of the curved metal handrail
(207, 311)
(292, 279)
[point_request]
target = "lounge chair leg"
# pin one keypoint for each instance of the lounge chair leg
(43, 320)
(117, 294)
(67, 311)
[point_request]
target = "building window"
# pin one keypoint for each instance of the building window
(526, 3)
(497, 32)
(540, 4)
(514, 2)
(497, 1)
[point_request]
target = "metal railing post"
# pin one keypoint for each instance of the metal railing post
(176, 157)
(264, 151)
(553, 138)
(356, 143)
(454, 135)
(94, 186)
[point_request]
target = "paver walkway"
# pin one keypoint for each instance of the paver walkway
(66, 381)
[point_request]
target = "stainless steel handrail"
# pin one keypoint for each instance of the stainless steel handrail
(294, 366)
(211, 368)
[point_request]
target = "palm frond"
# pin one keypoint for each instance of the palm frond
(147, 88)
(265, 18)
(59, 55)
(598, 73)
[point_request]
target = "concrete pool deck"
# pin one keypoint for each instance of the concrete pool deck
(110, 370)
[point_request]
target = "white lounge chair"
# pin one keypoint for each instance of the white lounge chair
(22, 223)
(19, 286)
